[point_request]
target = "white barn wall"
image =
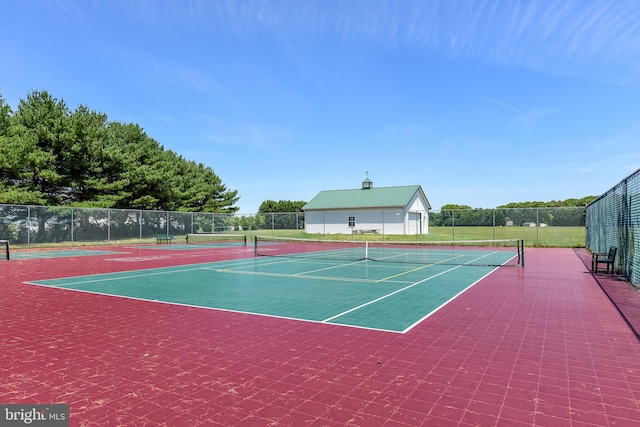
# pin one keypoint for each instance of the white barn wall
(337, 222)
(314, 222)
(416, 207)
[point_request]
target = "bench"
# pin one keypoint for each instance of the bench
(366, 231)
(164, 238)
(607, 258)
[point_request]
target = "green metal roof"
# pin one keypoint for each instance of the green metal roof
(383, 197)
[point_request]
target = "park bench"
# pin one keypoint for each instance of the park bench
(607, 258)
(366, 231)
(164, 238)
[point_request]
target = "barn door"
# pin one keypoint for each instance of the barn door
(415, 223)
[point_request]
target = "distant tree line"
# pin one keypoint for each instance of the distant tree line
(548, 213)
(52, 155)
(283, 214)
(271, 206)
(568, 203)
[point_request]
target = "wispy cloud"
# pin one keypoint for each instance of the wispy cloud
(592, 39)
(598, 40)
(508, 107)
(523, 118)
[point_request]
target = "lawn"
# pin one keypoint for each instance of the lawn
(553, 237)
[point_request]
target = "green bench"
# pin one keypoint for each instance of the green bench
(164, 238)
(607, 258)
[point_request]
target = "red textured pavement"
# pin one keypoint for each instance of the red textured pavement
(626, 298)
(541, 345)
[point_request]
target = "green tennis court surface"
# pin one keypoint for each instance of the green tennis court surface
(63, 253)
(369, 294)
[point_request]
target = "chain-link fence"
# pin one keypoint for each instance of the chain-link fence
(46, 225)
(43, 225)
(541, 227)
(613, 219)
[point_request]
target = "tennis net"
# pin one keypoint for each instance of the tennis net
(217, 239)
(508, 252)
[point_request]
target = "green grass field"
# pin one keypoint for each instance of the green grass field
(552, 237)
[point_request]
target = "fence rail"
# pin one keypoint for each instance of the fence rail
(50, 225)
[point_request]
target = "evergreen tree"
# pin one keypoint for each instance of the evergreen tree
(51, 155)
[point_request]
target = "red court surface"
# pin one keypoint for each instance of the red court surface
(540, 345)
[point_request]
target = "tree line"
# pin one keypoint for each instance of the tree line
(554, 213)
(52, 155)
(281, 214)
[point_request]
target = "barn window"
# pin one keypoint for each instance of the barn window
(352, 221)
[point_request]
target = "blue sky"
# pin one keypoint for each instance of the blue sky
(481, 103)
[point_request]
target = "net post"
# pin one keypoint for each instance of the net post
(5, 243)
(255, 245)
(521, 243)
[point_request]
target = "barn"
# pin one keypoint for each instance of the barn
(384, 210)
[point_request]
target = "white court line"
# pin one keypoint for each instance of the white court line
(389, 294)
(417, 322)
(153, 271)
(226, 310)
(404, 289)
(329, 268)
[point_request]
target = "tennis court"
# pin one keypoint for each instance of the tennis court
(335, 284)
(319, 334)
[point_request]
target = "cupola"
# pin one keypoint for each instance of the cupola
(367, 183)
